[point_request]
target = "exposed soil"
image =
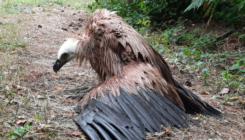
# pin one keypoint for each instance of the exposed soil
(42, 88)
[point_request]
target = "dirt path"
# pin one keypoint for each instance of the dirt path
(46, 31)
(42, 87)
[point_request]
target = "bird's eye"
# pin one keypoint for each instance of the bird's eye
(65, 55)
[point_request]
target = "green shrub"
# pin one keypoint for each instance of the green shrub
(140, 13)
(143, 12)
(232, 11)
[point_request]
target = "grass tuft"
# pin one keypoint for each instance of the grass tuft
(8, 5)
(10, 32)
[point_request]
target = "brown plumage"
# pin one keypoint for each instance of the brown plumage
(133, 75)
(137, 92)
(112, 44)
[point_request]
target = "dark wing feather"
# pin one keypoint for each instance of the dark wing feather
(101, 130)
(144, 110)
(111, 130)
(163, 110)
(129, 116)
(131, 113)
(193, 104)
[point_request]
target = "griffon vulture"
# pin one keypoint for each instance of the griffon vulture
(137, 94)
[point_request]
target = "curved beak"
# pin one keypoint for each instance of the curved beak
(57, 65)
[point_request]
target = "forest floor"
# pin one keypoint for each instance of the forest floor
(34, 106)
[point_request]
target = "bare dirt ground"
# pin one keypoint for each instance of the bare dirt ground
(40, 89)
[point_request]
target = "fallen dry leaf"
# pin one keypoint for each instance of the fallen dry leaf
(19, 52)
(58, 89)
(234, 98)
(13, 52)
(31, 121)
(21, 122)
(41, 97)
(68, 101)
(5, 17)
(197, 118)
(75, 133)
(19, 87)
(44, 127)
(213, 72)
(84, 136)
(204, 93)
(158, 134)
(241, 102)
(68, 114)
(14, 85)
(197, 71)
(225, 91)
(21, 117)
(19, 93)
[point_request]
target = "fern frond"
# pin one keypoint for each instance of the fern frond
(195, 4)
(241, 5)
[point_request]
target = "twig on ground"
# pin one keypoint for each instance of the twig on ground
(76, 96)
(33, 135)
(74, 89)
(224, 35)
(16, 110)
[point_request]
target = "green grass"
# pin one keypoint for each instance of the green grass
(10, 74)
(198, 51)
(12, 21)
(6, 4)
(10, 28)
(10, 35)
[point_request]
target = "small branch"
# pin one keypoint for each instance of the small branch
(74, 89)
(32, 135)
(224, 35)
(232, 58)
(160, 31)
(17, 110)
(85, 90)
(76, 96)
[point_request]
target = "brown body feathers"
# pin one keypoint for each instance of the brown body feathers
(113, 46)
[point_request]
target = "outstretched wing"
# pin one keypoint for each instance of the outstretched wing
(129, 116)
(138, 100)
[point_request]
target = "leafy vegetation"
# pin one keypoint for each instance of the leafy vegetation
(232, 11)
(144, 12)
(232, 79)
(18, 132)
(10, 37)
(162, 12)
(198, 51)
(193, 49)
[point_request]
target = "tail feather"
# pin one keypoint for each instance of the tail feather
(193, 104)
